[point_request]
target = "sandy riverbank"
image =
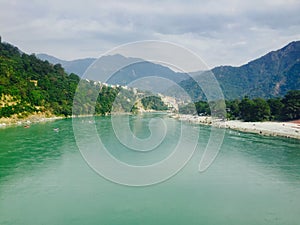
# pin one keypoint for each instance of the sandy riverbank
(282, 129)
(35, 118)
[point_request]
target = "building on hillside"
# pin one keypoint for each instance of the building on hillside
(170, 102)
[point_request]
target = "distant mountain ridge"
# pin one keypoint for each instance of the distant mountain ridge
(77, 66)
(31, 87)
(274, 73)
(136, 70)
(271, 75)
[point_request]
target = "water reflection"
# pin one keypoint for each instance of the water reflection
(254, 180)
(23, 150)
(277, 159)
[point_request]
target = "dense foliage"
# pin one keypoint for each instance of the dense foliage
(270, 76)
(154, 103)
(201, 108)
(257, 109)
(94, 98)
(35, 85)
(29, 85)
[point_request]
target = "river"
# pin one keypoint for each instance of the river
(44, 179)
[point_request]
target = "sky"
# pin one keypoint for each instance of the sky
(220, 32)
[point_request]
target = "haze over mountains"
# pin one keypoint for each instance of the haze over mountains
(271, 75)
(136, 70)
(31, 86)
(77, 66)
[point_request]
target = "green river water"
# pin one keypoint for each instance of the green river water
(45, 180)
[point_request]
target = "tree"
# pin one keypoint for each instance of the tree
(291, 101)
(254, 110)
(261, 110)
(153, 102)
(202, 108)
(246, 109)
(233, 109)
(188, 109)
(276, 107)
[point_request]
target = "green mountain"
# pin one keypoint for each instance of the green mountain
(136, 70)
(30, 86)
(271, 75)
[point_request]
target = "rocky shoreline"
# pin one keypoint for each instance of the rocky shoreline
(281, 129)
(34, 118)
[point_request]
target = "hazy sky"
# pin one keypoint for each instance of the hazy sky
(221, 32)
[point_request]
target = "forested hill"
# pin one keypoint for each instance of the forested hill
(271, 75)
(29, 86)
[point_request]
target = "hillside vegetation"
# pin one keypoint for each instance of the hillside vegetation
(257, 109)
(33, 85)
(269, 76)
(29, 86)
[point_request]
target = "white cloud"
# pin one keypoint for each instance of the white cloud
(221, 32)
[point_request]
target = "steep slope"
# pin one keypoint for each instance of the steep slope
(271, 75)
(136, 70)
(147, 76)
(30, 86)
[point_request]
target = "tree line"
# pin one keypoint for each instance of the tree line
(34, 86)
(257, 109)
(153, 103)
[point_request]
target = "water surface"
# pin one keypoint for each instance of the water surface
(44, 180)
